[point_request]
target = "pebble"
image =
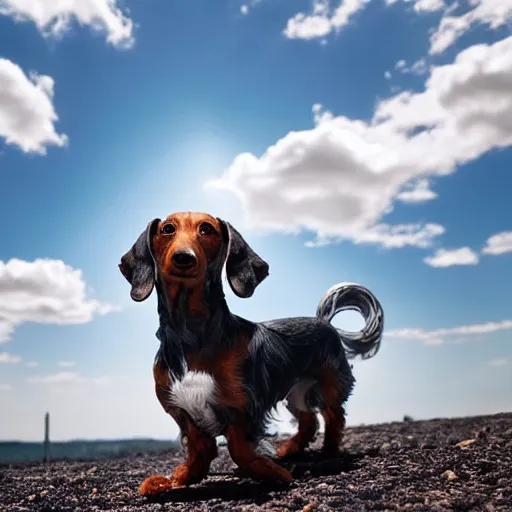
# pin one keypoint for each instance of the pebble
(466, 443)
(400, 477)
(449, 475)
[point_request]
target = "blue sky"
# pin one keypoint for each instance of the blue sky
(348, 141)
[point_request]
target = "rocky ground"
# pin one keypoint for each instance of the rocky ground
(437, 465)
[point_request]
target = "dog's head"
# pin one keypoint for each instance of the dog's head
(184, 248)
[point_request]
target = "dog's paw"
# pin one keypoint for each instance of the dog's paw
(157, 484)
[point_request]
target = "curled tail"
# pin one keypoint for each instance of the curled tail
(353, 296)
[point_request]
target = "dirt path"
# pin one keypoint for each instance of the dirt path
(416, 466)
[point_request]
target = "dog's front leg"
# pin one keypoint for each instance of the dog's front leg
(246, 458)
(202, 449)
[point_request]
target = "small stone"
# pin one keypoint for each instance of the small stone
(351, 487)
(32, 497)
(449, 475)
(92, 470)
(44, 493)
(466, 443)
(309, 507)
(94, 490)
(323, 485)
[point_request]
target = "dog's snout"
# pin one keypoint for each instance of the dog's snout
(184, 259)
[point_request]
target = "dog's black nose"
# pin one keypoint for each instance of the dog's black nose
(184, 259)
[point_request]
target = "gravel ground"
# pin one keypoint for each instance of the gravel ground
(436, 465)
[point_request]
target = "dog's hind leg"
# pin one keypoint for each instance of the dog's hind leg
(306, 418)
(332, 410)
(308, 426)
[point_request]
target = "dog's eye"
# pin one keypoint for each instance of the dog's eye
(168, 229)
(206, 229)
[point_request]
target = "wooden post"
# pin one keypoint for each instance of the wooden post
(47, 437)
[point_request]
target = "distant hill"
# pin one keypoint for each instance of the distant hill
(18, 451)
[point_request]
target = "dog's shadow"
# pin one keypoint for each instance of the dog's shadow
(239, 487)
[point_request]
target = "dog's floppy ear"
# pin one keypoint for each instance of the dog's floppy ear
(138, 264)
(244, 268)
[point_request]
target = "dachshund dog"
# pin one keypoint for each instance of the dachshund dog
(218, 374)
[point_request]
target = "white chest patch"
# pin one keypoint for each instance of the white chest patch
(196, 393)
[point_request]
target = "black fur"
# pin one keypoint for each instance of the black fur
(244, 268)
(281, 352)
(138, 265)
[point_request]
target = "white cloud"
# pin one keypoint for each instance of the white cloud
(5, 387)
(6, 358)
(439, 336)
(55, 17)
(322, 20)
(66, 364)
(58, 378)
(418, 192)
(403, 235)
(493, 13)
(417, 68)
(245, 8)
(450, 257)
(499, 362)
(27, 114)
(65, 378)
(340, 178)
(44, 291)
(401, 64)
(499, 243)
(429, 5)
(32, 364)
(387, 75)
(389, 237)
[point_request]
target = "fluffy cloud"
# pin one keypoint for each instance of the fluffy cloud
(322, 20)
(390, 237)
(493, 13)
(66, 364)
(450, 257)
(65, 378)
(429, 5)
(499, 243)
(55, 17)
(6, 358)
(44, 291)
(27, 114)
(439, 336)
(340, 178)
(418, 192)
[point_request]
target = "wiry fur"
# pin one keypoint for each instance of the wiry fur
(285, 359)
